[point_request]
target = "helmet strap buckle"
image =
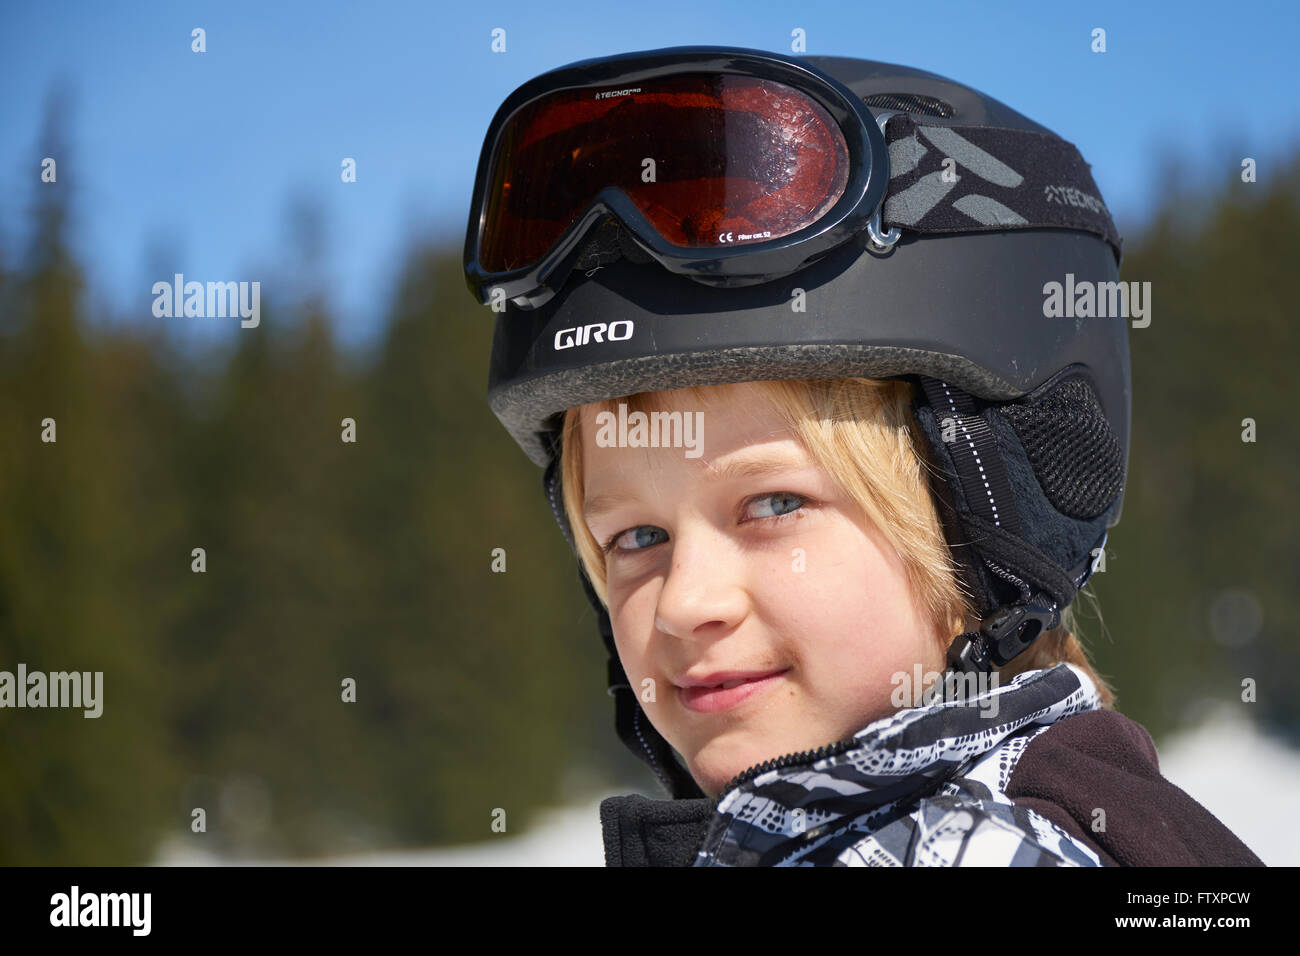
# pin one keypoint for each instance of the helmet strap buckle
(1003, 635)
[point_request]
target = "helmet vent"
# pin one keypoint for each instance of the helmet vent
(909, 103)
(1074, 453)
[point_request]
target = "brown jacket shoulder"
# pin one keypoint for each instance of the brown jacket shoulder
(1102, 760)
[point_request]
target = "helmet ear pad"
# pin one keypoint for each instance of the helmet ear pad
(1074, 454)
(1064, 470)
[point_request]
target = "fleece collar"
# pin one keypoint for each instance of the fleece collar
(785, 814)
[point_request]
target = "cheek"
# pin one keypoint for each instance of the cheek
(859, 619)
(633, 624)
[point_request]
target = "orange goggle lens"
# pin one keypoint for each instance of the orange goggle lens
(710, 160)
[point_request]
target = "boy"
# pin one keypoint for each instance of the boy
(906, 465)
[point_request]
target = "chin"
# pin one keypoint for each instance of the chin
(718, 763)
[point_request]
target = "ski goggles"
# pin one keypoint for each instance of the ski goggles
(726, 165)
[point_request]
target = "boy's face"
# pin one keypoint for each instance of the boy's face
(713, 577)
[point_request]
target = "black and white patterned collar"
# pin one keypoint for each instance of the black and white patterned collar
(808, 812)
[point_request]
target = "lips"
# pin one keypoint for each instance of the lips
(722, 691)
(723, 678)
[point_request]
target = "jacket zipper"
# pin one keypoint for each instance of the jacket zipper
(808, 756)
(777, 763)
(831, 750)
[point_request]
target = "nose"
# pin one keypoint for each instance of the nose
(704, 590)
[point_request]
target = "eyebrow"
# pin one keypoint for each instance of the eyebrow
(751, 466)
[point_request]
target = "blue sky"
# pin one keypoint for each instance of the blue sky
(189, 162)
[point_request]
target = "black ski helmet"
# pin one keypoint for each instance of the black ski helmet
(1039, 406)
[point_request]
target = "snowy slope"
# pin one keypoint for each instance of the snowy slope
(1244, 778)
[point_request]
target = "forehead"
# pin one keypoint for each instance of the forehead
(741, 409)
(728, 419)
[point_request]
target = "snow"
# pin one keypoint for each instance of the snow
(1248, 780)
(568, 836)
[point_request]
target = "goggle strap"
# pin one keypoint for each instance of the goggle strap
(947, 179)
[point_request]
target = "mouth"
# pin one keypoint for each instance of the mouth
(718, 692)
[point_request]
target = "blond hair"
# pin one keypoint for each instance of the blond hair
(862, 433)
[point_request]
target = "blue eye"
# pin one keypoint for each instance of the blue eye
(787, 504)
(790, 503)
(637, 532)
